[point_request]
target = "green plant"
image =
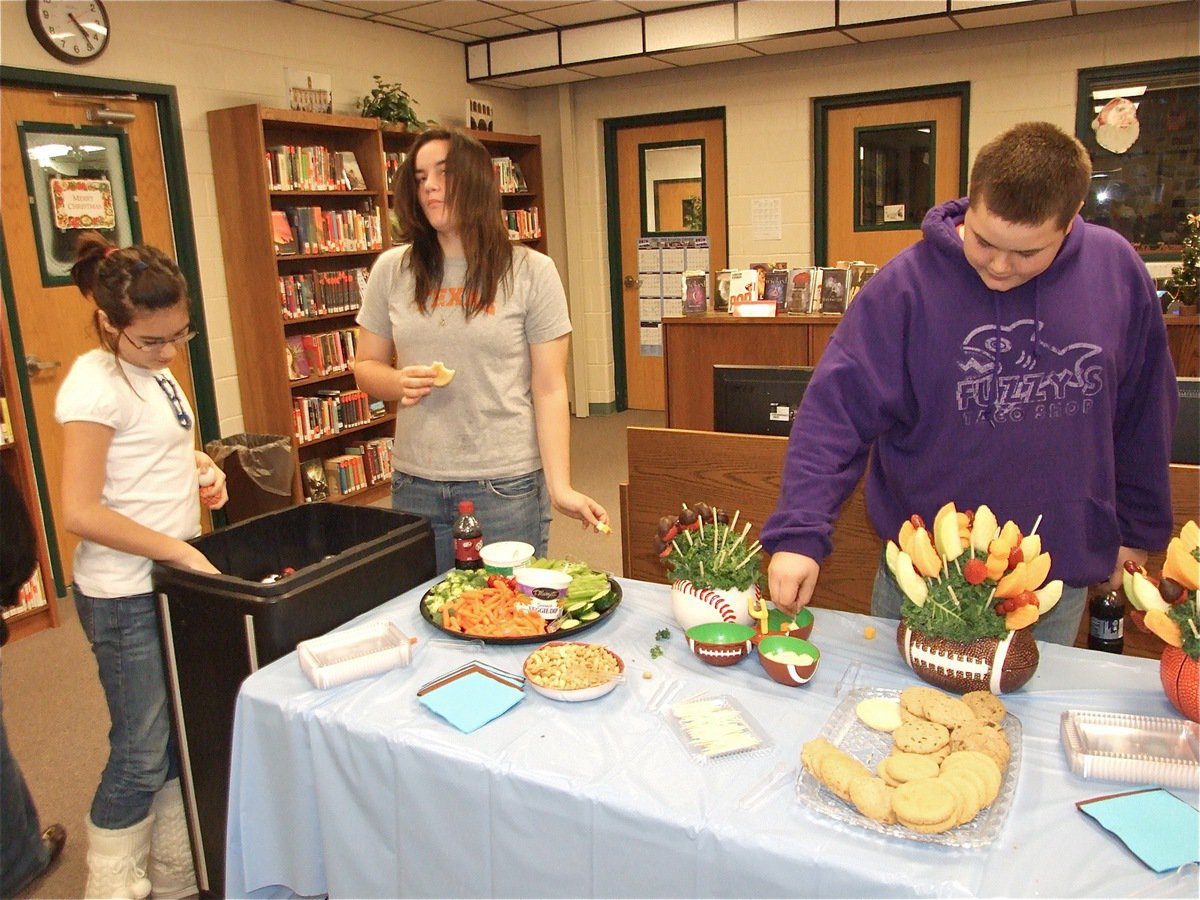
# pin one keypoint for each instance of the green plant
(1184, 284)
(389, 102)
(701, 545)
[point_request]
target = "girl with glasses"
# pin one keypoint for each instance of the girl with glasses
(132, 487)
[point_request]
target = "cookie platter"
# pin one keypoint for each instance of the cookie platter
(846, 731)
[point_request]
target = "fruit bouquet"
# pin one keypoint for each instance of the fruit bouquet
(715, 572)
(971, 590)
(1167, 607)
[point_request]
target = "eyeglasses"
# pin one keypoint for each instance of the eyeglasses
(160, 343)
(168, 388)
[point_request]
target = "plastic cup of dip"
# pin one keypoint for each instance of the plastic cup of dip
(505, 556)
(546, 588)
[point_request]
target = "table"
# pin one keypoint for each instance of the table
(359, 791)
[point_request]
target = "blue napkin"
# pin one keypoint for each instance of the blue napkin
(472, 701)
(1162, 830)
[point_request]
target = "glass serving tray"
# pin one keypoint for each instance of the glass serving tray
(1139, 749)
(869, 746)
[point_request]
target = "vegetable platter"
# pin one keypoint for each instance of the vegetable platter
(473, 604)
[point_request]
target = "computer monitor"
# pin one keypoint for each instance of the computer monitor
(1185, 444)
(758, 399)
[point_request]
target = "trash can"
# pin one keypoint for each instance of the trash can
(258, 473)
(218, 629)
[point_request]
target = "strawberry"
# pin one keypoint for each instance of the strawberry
(975, 571)
(1015, 557)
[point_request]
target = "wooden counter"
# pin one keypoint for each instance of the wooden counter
(692, 345)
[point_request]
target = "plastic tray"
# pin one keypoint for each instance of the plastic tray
(360, 652)
(1139, 749)
(741, 738)
(869, 746)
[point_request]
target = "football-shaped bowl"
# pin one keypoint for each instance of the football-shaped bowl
(720, 643)
(793, 673)
(999, 665)
(780, 623)
(693, 605)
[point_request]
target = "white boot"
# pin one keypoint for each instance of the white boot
(116, 860)
(172, 873)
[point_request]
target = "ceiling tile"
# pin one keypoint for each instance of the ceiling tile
(583, 12)
(653, 6)
(631, 66)
(800, 42)
(340, 9)
(529, 23)
(690, 27)
(492, 28)
(853, 12)
(705, 55)
(902, 29)
(451, 34)
(762, 18)
(602, 41)
(542, 79)
(448, 15)
(982, 17)
(519, 54)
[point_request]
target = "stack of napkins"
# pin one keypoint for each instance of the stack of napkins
(1161, 830)
(473, 695)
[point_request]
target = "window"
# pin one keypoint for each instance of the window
(1141, 125)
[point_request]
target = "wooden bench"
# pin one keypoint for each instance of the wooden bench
(669, 466)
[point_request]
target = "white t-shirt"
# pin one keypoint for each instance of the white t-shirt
(481, 425)
(150, 472)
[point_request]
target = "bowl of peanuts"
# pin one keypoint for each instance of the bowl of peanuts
(573, 671)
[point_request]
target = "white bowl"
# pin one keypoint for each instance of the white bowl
(695, 606)
(578, 694)
(504, 556)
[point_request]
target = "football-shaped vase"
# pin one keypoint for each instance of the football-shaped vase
(1178, 672)
(693, 605)
(999, 665)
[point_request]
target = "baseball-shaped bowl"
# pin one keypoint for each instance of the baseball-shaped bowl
(780, 623)
(999, 665)
(693, 605)
(789, 660)
(720, 643)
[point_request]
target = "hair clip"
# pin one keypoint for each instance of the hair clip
(139, 267)
(110, 251)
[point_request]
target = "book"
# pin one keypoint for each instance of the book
(835, 287)
(744, 298)
(860, 274)
(695, 292)
(282, 234)
(800, 292)
(297, 359)
(312, 476)
(6, 430)
(349, 175)
(776, 289)
(721, 297)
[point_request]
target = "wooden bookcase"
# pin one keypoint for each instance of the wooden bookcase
(240, 138)
(16, 457)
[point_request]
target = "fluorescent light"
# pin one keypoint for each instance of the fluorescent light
(1109, 93)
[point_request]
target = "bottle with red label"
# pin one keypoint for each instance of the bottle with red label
(468, 537)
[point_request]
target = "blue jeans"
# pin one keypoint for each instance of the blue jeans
(508, 509)
(142, 747)
(1059, 626)
(22, 855)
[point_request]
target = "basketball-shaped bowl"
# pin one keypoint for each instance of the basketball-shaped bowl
(789, 660)
(1178, 673)
(780, 623)
(693, 605)
(720, 643)
(999, 665)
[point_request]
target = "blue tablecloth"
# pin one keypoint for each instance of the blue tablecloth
(360, 791)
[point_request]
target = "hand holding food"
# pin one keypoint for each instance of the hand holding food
(441, 375)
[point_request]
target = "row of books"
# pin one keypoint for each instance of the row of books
(763, 290)
(391, 167)
(310, 294)
(321, 354)
(364, 463)
(313, 168)
(329, 412)
(30, 596)
(509, 175)
(523, 224)
(311, 229)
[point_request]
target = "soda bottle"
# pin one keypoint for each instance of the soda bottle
(468, 537)
(1106, 630)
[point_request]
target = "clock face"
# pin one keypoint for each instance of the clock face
(74, 31)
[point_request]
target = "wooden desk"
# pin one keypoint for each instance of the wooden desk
(741, 471)
(692, 345)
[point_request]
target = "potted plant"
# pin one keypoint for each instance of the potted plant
(1182, 289)
(716, 574)
(971, 590)
(1167, 607)
(390, 103)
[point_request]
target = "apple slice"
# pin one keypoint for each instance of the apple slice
(441, 375)
(912, 584)
(984, 528)
(1145, 595)
(1031, 546)
(945, 533)
(890, 553)
(1010, 533)
(1180, 565)
(1048, 595)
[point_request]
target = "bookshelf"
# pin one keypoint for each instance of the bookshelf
(283, 305)
(39, 606)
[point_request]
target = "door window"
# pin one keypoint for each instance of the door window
(672, 196)
(893, 175)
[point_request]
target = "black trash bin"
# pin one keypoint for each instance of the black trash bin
(217, 629)
(258, 473)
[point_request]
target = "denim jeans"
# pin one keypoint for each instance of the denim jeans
(1059, 626)
(22, 855)
(508, 509)
(142, 748)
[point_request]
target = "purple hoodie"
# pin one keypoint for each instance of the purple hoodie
(1056, 398)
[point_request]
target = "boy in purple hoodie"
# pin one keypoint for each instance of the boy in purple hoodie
(1016, 356)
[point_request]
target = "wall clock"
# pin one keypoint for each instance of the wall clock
(74, 31)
